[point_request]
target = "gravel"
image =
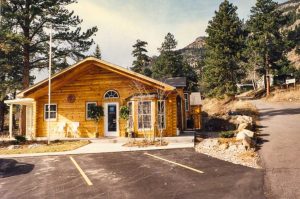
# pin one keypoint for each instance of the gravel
(229, 151)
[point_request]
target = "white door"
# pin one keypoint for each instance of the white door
(111, 119)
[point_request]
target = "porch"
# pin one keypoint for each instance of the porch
(30, 119)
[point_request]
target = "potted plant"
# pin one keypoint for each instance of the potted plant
(124, 114)
(97, 113)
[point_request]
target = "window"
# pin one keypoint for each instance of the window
(186, 101)
(111, 94)
(52, 113)
(88, 108)
(130, 118)
(161, 111)
(144, 115)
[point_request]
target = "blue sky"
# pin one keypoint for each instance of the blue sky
(122, 22)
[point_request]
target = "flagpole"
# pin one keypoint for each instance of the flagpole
(49, 84)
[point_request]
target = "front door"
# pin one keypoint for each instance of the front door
(111, 119)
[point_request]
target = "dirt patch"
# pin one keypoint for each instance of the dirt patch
(40, 147)
(221, 114)
(145, 143)
(285, 95)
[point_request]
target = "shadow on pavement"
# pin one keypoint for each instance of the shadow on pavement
(261, 137)
(11, 167)
(289, 111)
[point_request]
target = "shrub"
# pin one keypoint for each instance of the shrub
(124, 112)
(226, 134)
(20, 139)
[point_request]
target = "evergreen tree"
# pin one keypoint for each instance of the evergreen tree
(265, 42)
(11, 73)
(169, 43)
(97, 53)
(224, 46)
(31, 20)
(170, 63)
(142, 60)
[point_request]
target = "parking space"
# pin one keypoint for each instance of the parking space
(174, 173)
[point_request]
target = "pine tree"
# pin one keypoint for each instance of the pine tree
(265, 42)
(141, 61)
(97, 53)
(31, 20)
(11, 73)
(169, 43)
(224, 46)
(170, 63)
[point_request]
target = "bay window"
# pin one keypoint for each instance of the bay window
(144, 115)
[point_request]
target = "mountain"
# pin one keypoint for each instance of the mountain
(194, 52)
(292, 8)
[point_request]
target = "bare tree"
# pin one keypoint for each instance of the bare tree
(162, 97)
(141, 94)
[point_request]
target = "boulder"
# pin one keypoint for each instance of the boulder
(244, 119)
(247, 142)
(243, 126)
(247, 132)
(241, 135)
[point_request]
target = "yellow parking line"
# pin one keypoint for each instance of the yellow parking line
(181, 165)
(87, 180)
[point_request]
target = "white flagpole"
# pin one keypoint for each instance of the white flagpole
(49, 85)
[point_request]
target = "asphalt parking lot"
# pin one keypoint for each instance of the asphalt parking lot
(173, 173)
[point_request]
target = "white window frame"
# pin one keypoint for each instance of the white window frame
(50, 119)
(132, 114)
(118, 96)
(151, 109)
(186, 101)
(86, 109)
(164, 113)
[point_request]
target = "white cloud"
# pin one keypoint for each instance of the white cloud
(119, 29)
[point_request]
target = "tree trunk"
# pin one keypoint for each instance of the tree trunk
(26, 66)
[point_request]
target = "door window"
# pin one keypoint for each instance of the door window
(112, 117)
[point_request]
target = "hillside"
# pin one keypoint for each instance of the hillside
(292, 8)
(194, 52)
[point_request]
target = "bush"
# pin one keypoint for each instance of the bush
(20, 139)
(226, 134)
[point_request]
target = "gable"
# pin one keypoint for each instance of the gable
(73, 72)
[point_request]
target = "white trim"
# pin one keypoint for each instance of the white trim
(51, 119)
(20, 101)
(186, 101)
(111, 90)
(164, 101)
(86, 109)
(106, 132)
(132, 113)
(10, 120)
(151, 115)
